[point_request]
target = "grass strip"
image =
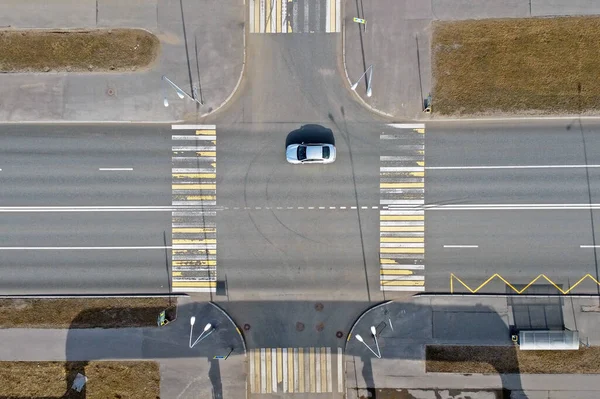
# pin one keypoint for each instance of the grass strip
(99, 50)
(522, 66)
(510, 360)
(106, 379)
(82, 312)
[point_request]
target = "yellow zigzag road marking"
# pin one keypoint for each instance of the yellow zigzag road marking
(496, 275)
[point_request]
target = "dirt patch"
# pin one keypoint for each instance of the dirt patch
(83, 312)
(100, 50)
(523, 66)
(132, 380)
(510, 360)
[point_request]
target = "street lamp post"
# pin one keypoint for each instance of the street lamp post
(207, 327)
(180, 93)
(369, 90)
(374, 334)
(360, 339)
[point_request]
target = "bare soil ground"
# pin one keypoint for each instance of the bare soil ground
(132, 380)
(522, 66)
(510, 360)
(101, 50)
(82, 312)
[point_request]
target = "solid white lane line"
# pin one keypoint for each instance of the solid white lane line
(510, 167)
(114, 169)
(461, 246)
(589, 246)
(74, 248)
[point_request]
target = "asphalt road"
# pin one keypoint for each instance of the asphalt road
(57, 235)
(515, 200)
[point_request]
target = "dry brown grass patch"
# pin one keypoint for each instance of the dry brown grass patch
(82, 312)
(544, 65)
(98, 50)
(132, 380)
(510, 360)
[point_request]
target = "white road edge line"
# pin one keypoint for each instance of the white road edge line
(114, 169)
(589, 246)
(85, 248)
(510, 167)
(193, 127)
(461, 246)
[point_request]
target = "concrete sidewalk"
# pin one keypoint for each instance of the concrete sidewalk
(185, 372)
(397, 42)
(202, 44)
(405, 328)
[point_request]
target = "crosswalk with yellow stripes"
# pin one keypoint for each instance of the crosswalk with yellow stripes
(294, 16)
(194, 232)
(402, 217)
(296, 370)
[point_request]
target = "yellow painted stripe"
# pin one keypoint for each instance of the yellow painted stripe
(206, 132)
(194, 186)
(410, 283)
(194, 263)
(257, 16)
(388, 261)
(279, 366)
(290, 366)
(401, 185)
(278, 19)
(268, 16)
(417, 174)
(214, 165)
(196, 175)
(176, 274)
(186, 241)
(420, 130)
(332, 15)
(257, 369)
(289, 29)
(200, 197)
(402, 217)
(402, 239)
(420, 163)
(388, 272)
(311, 369)
(301, 370)
(402, 228)
(206, 153)
(402, 250)
(195, 284)
(193, 230)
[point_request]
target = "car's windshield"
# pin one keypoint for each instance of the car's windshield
(301, 153)
(325, 152)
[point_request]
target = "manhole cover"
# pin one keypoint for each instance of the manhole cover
(339, 334)
(110, 92)
(299, 326)
(318, 306)
(246, 327)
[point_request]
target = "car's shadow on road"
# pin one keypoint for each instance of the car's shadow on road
(310, 134)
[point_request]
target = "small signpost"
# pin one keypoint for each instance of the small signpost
(361, 21)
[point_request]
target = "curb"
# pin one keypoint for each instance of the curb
(508, 118)
(235, 89)
(363, 102)
(232, 322)
(360, 318)
(99, 296)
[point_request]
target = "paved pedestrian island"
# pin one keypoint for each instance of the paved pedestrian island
(296, 370)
